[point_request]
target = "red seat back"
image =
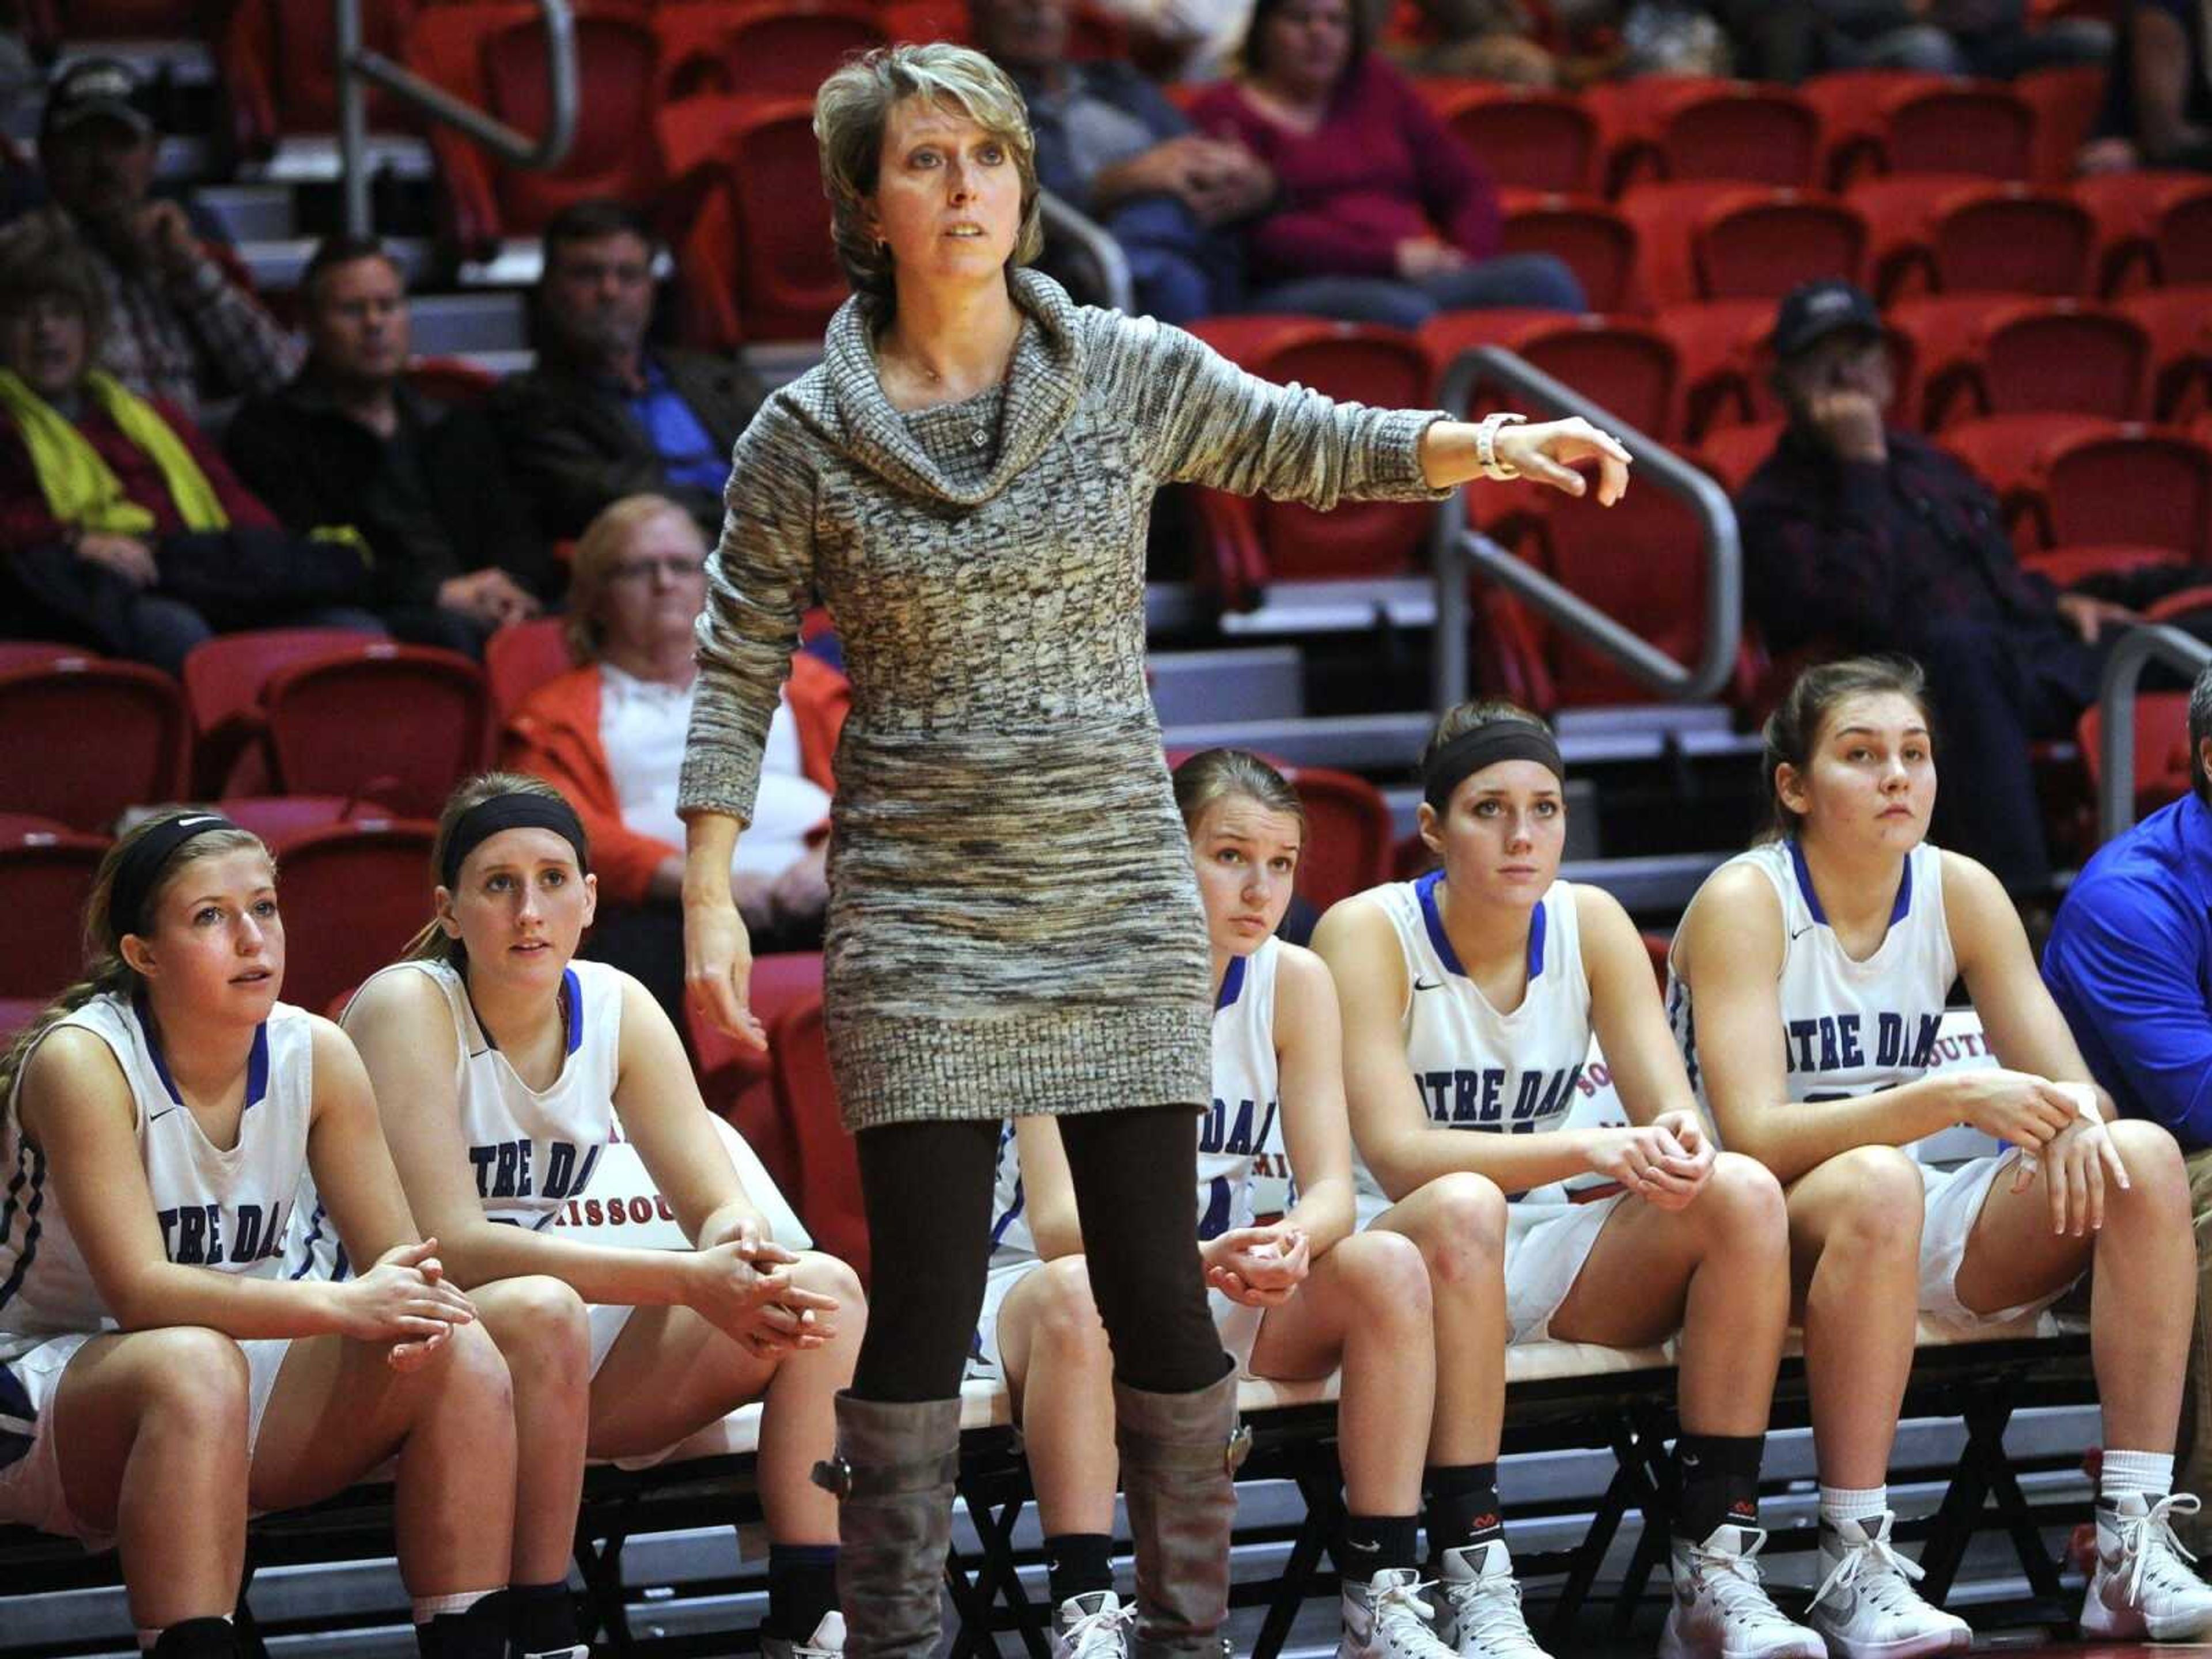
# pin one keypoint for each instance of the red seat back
(1759, 134)
(2184, 240)
(2143, 489)
(224, 680)
(2162, 757)
(521, 657)
(2011, 239)
(1348, 835)
(2064, 355)
(44, 880)
(1978, 127)
(82, 738)
(748, 49)
(757, 262)
(2066, 102)
(1762, 249)
(1639, 563)
(617, 64)
(738, 1082)
(352, 895)
(1625, 365)
(828, 1168)
(1594, 241)
(1526, 139)
(398, 724)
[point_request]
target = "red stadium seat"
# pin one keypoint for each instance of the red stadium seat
(1854, 108)
(278, 67)
(1525, 138)
(2066, 101)
(829, 1189)
(1718, 345)
(354, 893)
(2126, 207)
(45, 879)
(2178, 323)
(922, 21)
(1632, 117)
(39, 654)
(757, 262)
(450, 382)
(397, 723)
(1900, 214)
(2133, 487)
(1762, 248)
(1622, 363)
(1741, 131)
(521, 657)
(2012, 239)
(2183, 238)
(16, 1014)
(1664, 217)
(740, 1084)
(1981, 127)
(1733, 453)
(2008, 452)
(1639, 562)
(492, 53)
(1946, 332)
(1382, 367)
(83, 738)
(749, 49)
(1596, 243)
(224, 680)
(2063, 354)
(2162, 757)
(1348, 835)
(278, 819)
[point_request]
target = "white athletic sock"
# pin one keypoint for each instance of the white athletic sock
(1842, 1504)
(2150, 1474)
(427, 1607)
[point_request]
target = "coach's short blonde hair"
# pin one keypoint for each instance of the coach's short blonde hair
(854, 107)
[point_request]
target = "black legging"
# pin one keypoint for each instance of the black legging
(927, 1190)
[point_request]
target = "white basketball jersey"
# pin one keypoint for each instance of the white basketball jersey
(225, 1210)
(1238, 1126)
(1475, 1068)
(530, 1150)
(1849, 1028)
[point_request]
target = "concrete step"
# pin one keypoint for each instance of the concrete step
(1268, 683)
(277, 263)
(251, 213)
(458, 324)
(313, 158)
(1336, 607)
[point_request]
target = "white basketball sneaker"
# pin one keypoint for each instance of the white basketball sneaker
(1479, 1612)
(1386, 1618)
(1721, 1610)
(828, 1642)
(1092, 1625)
(1866, 1606)
(2143, 1585)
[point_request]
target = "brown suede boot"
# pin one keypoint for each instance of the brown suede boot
(893, 1475)
(1179, 1454)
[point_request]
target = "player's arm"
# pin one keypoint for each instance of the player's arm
(1047, 1188)
(1317, 1131)
(2021, 1023)
(1389, 1124)
(404, 1030)
(76, 1108)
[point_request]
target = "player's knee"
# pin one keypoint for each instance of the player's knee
(825, 1275)
(1464, 1234)
(1746, 1200)
(2157, 1175)
(197, 1385)
(539, 1323)
(468, 1374)
(1387, 1277)
(1067, 1318)
(1881, 1219)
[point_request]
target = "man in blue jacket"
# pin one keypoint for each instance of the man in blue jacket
(2129, 964)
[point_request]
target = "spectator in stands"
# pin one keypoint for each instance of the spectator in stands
(1110, 145)
(177, 319)
(1484, 40)
(2130, 965)
(1808, 982)
(2158, 99)
(609, 734)
(1455, 1105)
(1384, 217)
(1860, 537)
(604, 414)
(120, 526)
(350, 442)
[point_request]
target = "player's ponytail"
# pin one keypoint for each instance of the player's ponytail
(434, 943)
(105, 969)
(1794, 730)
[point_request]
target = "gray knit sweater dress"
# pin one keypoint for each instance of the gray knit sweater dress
(1013, 924)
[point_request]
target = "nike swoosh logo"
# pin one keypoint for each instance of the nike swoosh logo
(1362, 1549)
(1801, 932)
(159, 1115)
(1428, 985)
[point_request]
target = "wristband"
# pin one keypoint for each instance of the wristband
(1486, 446)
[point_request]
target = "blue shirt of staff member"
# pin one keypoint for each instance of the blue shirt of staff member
(2130, 965)
(1111, 145)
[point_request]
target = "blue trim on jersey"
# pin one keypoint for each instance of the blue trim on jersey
(998, 1227)
(1232, 985)
(256, 1060)
(1898, 912)
(572, 994)
(1425, 890)
(28, 1251)
(307, 1247)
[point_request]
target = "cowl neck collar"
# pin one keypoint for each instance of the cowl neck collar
(1042, 385)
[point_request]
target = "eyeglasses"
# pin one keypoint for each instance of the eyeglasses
(675, 569)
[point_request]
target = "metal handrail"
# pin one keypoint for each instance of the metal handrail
(2116, 696)
(357, 64)
(1098, 244)
(1453, 543)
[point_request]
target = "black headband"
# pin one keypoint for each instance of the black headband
(139, 870)
(1469, 752)
(518, 810)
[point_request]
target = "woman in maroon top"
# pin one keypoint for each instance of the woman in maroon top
(1384, 217)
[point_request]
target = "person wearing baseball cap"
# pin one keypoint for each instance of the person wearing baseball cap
(179, 325)
(1861, 537)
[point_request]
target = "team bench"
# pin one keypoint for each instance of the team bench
(1559, 1396)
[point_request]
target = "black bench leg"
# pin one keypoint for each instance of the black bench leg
(1320, 1483)
(997, 1577)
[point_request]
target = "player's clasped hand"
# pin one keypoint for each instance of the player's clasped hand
(744, 1285)
(1664, 1162)
(1258, 1266)
(2015, 1107)
(2074, 1164)
(404, 1301)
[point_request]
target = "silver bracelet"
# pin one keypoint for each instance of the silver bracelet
(1486, 446)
